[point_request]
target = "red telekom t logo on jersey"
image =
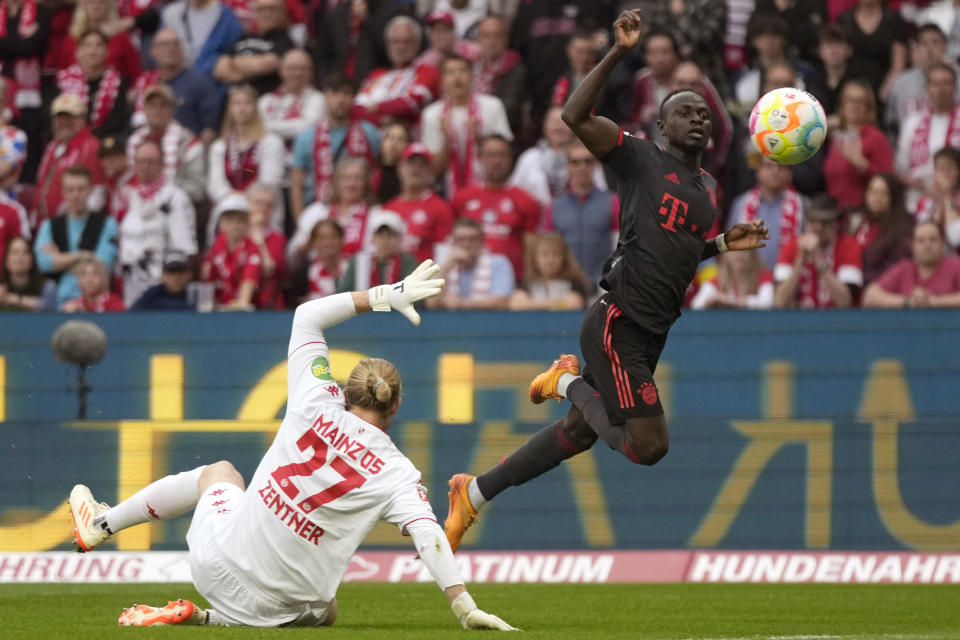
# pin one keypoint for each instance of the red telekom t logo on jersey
(675, 210)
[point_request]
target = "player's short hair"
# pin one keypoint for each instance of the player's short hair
(79, 171)
(454, 57)
(373, 384)
(939, 66)
(928, 27)
(673, 93)
(337, 81)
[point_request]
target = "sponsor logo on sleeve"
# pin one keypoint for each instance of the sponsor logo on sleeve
(320, 368)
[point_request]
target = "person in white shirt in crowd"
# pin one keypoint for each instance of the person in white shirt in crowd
(927, 131)
(908, 93)
(295, 106)
(773, 200)
(156, 219)
(244, 153)
(451, 127)
(476, 278)
(318, 149)
(306, 519)
(350, 205)
(742, 281)
(541, 171)
(385, 262)
(946, 15)
(184, 161)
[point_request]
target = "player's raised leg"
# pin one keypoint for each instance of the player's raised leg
(166, 498)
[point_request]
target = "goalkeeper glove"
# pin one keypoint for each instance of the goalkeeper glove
(400, 296)
(471, 617)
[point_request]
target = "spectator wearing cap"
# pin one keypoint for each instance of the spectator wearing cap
(587, 217)
(206, 28)
(928, 130)
(476, 278)
(451, 127)
(100, 86)
(507, 214)
(233, 263)
(24, 37)
(100, 15)
(444, 41)
(463, 15)
(156, 219)
(295, 105)
(271, 243)
(402, 91)
(245, 152)
(171, 293)
(499, 71)
(198, 99)
(93, 279)
(385, 261)
(428, 217)
(77, 233)
(72, 144)
(255, 58)
(930, 279)
(350, 205)
(821, 268)
(318, 149)
(184, 163)
(908, 93)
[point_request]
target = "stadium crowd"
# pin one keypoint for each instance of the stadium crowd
(252, 154)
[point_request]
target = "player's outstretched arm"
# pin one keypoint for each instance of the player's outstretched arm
(434, 551)
(740, 237)
(320, 314)
(597, 133)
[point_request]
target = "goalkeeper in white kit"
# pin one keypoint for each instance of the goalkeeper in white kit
(275, 553)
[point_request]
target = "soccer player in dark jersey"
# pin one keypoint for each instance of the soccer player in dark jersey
(668, 206)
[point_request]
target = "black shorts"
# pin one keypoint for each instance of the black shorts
(620, 358)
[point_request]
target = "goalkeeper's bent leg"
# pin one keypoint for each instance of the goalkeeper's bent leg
(167, 498)
(545, 450)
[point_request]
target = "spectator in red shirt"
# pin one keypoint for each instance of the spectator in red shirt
(428, 217)
(882, 227)
(402, 91)
(271, 244)
(821, 268)
(72, 144)
(857, 149)
(93, 278)
(741, 281)
(930, 279)
(507, 214)
(101, 15)
(233, 263)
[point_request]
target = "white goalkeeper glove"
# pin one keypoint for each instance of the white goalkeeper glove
(471, 617)
(400, 296)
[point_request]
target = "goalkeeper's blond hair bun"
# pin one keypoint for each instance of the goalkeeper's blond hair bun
(373, 384)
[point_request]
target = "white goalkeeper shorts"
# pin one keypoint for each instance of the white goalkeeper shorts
(220, 583)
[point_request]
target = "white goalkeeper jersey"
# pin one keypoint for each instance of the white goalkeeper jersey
(328, 477)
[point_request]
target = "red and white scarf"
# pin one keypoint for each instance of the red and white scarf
(393, 271)
(356, 144)
(353, 221)
(169, 145)
(927, 205)
(321, 281)
(485, 78)
(65, 153)
(812, 291)
(74, 80)
(481, 278)
(463, 156)
(146, 191)
(560, 91)
(241, 167)
(789, 212)
(26, 71)
(920, 145)
(279, 108)
(146, 79)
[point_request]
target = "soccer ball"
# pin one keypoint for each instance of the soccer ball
(788, 125)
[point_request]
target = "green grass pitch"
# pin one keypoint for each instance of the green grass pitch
(555, 612)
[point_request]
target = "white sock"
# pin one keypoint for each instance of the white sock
(564, 382)
(216, 619)
(476, 498)
(164, 499)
